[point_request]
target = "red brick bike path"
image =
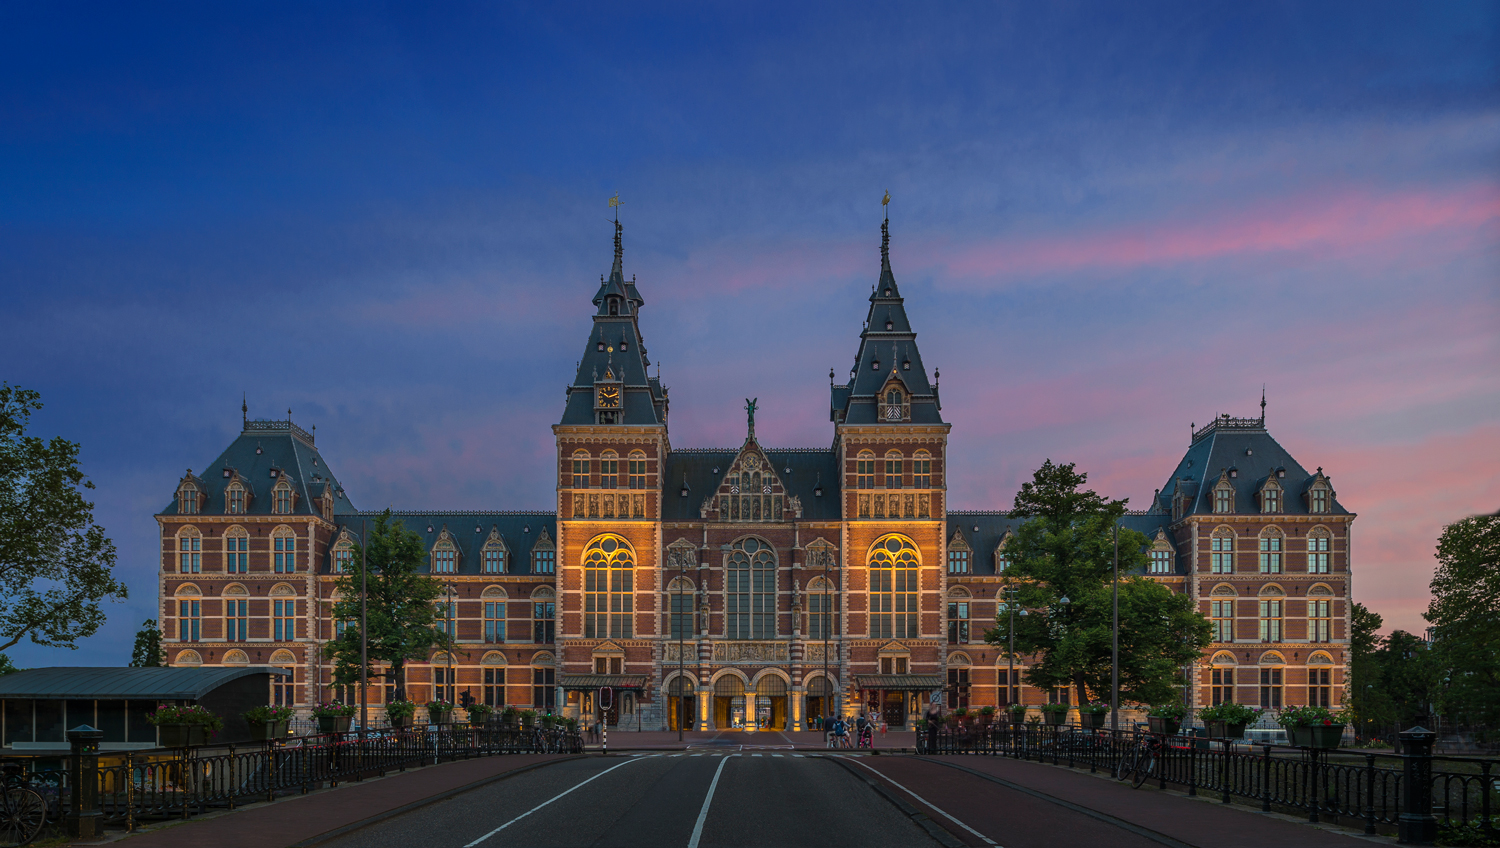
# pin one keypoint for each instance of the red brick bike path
(292, 820)
(1015, 815)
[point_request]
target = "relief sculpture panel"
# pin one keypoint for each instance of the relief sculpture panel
(751, 652)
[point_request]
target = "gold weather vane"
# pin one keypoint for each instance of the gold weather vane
(886, 201)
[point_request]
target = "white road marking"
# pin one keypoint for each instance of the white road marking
(778, 755)
(799, 755)
(707, 799)
(945, 814)
(548, 801)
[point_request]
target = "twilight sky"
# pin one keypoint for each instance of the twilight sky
(1110, 221)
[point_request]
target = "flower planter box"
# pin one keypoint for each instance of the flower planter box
(1325, 737)
(182, 735)
(1055, 719)
(438, 716)
(1224, 730)
(1163, 726)
(399, 722)
(334, 724)
(265, 731)
(1092, 719)
(1018, 719)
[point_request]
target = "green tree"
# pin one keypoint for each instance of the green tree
(1409, 677)
(401, 606)
(1365, 696)
(7, 667)
(147, 652)
(1465, 615)
(55, 564)
(1065, 549)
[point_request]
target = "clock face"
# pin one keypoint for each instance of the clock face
(609, 397)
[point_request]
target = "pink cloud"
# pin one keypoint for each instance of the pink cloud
(1323, 221)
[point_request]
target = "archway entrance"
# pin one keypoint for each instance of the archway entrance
(819, 699)
(770, 703)
(729, 702)
(680, 704)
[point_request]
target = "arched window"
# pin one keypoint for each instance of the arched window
(284, 687)
(543, 554)
(1318, 542)
(1320, 680)
(1221, 612)
(960, 554)
(608, 588)
(1161, 554)
(637, 469)
(923, 470)
(1002, 559)
(750, 590)
(283, 550)
(494, 598)
(189, 613)
(864, 469)
(580, 469)
(236, 613)
(958, 616)
(1271, 680)
(1319, 495)
(822, 609)
(493, 665)
(543, 681)
(609, 470)
(1270, 495)
(681, 593)
(189, 551)
(1319, 617)
(343, 555)
(236, 550)
(1221, 551)
(893, 470)
(1271, 601)
(1221, 678)
(283, 613)
(1271, 540)
(894, 565)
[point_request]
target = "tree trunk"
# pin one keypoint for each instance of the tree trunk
(1083, 695)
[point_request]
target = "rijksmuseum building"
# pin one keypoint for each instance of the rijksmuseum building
(752, 586)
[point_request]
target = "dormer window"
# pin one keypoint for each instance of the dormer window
(960, 555)
(1223, 494)
(1270, 496)
(234, 498)
(1319, 495)
(493, 554)
(444, 554)
(544, 555)
(188, 499)
(281, 498)
(1002, 559)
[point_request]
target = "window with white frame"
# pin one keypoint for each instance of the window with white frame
(1270, 619)
(1317, 551)
(1161, 561)
(283, 551)
(1270, 552)
(190, 551)
(1221, 551)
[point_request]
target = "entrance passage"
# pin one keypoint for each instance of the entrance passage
(819, 699)
(729, 702)
(770, 703)
(679, 704)
(894, 709)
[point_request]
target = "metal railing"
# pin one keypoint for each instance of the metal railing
(136, 787)
(1383, 792)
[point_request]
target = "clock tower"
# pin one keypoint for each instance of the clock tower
(611, 444)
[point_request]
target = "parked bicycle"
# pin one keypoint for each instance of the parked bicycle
(23, 811)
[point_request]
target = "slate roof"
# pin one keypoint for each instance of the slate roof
(809, 469)
(123, 683)
(884, 354)
(623, 354)
(992, 527)
(469, 530)
(1244, 445)
(261, 447)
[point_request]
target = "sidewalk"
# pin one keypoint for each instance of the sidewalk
(659, 740)
(289, 821)
(1187, 821)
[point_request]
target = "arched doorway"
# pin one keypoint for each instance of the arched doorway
(680, 704)
(729, 702)
(819, 699)
(770, 703)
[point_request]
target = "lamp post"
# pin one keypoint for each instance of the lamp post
(449, 593)
(677, 620)
(1114, 651)
(364, 630)
(1010, 675)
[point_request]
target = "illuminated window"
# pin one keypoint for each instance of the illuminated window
(1161, 562)
(894, 565)
(750, 591)
(608, 588)
(958, 562)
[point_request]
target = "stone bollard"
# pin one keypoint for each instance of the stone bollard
(1418, 826)
(83, 810)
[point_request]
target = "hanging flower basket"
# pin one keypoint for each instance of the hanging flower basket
(265, 731)
(334, 724)
(1091, 720)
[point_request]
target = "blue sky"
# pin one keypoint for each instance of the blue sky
(1110, 221)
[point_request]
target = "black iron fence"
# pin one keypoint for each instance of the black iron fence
(135, 787)
(1414, 793)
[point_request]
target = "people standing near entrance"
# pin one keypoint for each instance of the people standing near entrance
(934, 718)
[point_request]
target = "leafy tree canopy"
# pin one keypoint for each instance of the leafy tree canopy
(56, 565)
(1066, 550)
(400, 609)
(147, 652)
(1465, 615)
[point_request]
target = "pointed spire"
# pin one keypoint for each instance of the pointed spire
(1262, 403)
(245, 409)
(619, 270)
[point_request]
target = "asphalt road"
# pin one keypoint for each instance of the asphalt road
(697, 799)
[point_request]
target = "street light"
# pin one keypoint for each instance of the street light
(1114, 650)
